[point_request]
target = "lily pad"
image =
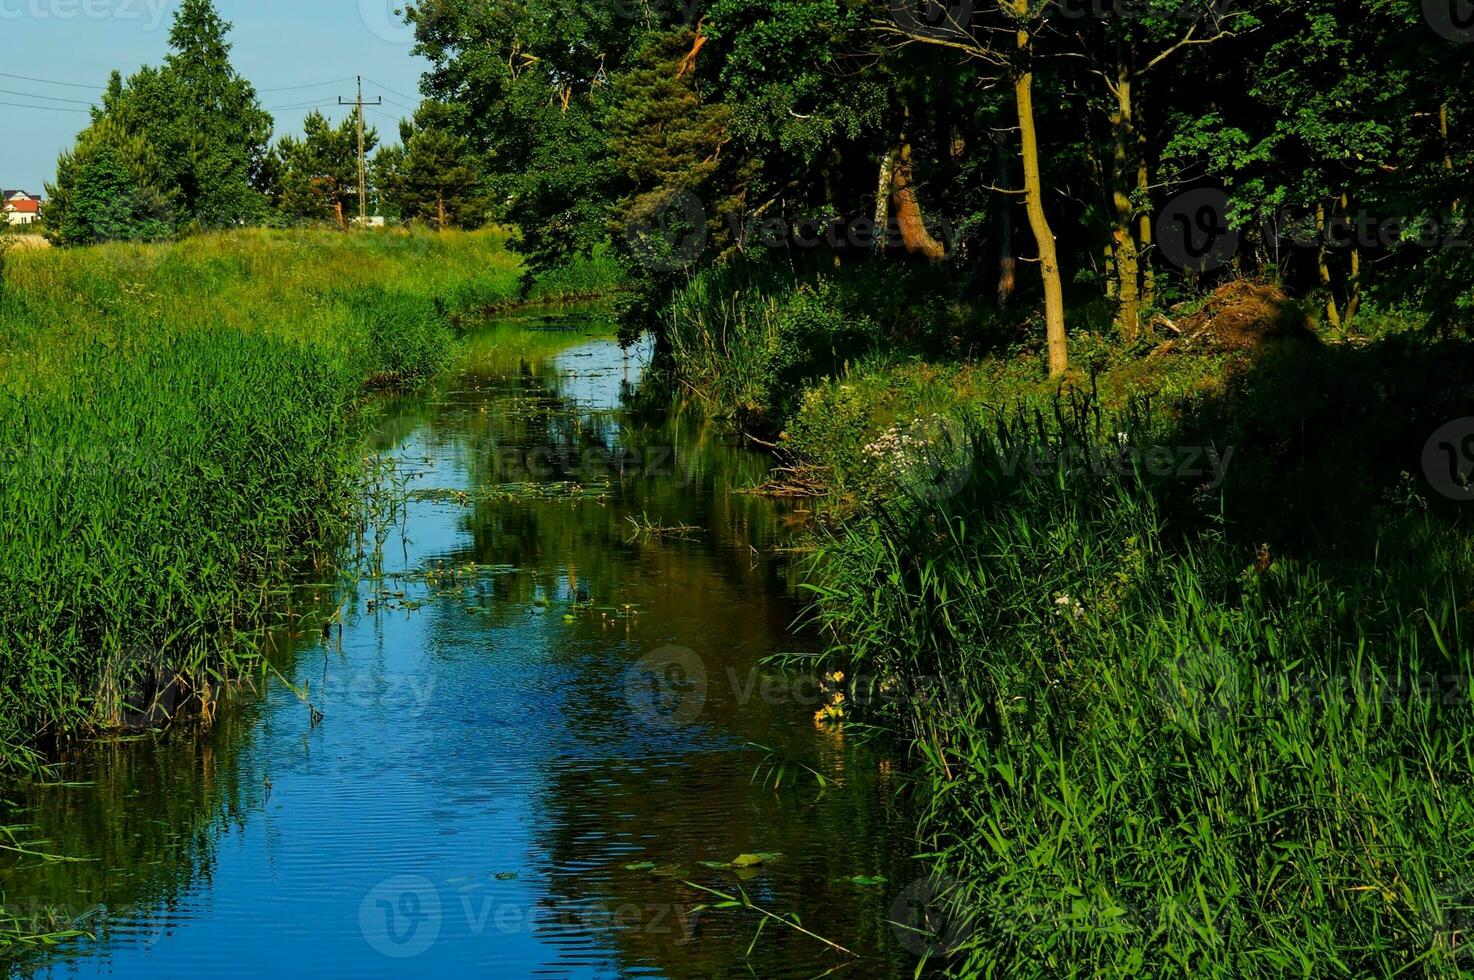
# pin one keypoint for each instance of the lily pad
(753, 860)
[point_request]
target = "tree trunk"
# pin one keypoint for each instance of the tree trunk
(1333, 311)
(1123, 234)
(883, 202)
(1007, 261)
(440, 210)
(1456, 204)
(1353, 285)
(912, 223)
(1054, 293)
(1144, 220)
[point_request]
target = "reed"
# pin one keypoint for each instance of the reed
(1146, 749)
(178, 430)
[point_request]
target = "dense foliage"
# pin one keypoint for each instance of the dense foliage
(794, 130)
(188, 141)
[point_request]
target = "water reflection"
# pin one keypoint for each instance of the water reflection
(512, 774)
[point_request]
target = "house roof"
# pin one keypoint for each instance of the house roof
(23, 206)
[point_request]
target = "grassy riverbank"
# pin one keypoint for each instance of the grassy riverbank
(1181, 644)
(179, 425)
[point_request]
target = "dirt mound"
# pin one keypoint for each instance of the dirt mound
(1240, 315)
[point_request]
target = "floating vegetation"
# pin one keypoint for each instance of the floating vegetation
(863, 881)
(646, 528)
(742, 862)
(565, 490)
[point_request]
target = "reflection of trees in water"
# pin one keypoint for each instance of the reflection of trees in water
(703, 808)
(144, 816)
(677, 469)
(720, 593)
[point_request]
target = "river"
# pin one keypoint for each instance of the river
(544, 727)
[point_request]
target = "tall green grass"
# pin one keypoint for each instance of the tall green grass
(748, 337)
(177, 436)
(1144, 749)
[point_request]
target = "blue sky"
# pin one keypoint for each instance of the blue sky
(278, 44)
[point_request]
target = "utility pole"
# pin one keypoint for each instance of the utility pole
(362, 161)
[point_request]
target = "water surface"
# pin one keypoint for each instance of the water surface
(542, 721)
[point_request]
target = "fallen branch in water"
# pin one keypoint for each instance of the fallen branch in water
(791, 481)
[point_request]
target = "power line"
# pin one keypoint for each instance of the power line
(48, 98)
(48, 81)
(262, 91)
(52, 108)
(362, 163)
(304, 105)
(298, 88)
(412, 98)
(401, 105)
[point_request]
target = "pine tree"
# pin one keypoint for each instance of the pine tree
(316, 177)
(434, 176)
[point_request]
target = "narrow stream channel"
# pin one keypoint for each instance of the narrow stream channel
(538, 729)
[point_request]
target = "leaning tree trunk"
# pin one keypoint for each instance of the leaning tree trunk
(909, 219)
(1054, 293)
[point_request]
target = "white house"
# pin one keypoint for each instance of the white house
(21, 208)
